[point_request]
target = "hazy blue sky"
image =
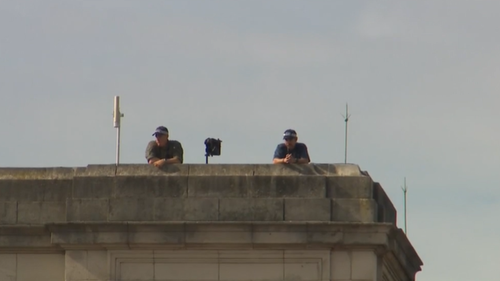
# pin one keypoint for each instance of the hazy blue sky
(422, 80)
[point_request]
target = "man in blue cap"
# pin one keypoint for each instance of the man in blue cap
(162, 150)
(291, 151)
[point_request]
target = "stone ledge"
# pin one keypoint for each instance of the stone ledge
(111, 170)
(385, 238)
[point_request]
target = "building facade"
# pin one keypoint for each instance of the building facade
(200, 222)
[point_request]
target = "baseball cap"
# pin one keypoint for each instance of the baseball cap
(289, 134)
(161, 131)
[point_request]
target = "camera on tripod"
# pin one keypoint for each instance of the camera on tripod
(212, 148)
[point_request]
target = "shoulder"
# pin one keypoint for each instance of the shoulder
(281, 146)
(174, 144)
(152, 144)
(301, 145)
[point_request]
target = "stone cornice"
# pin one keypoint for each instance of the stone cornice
(385, 238)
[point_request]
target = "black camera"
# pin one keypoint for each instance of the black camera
(212, 147)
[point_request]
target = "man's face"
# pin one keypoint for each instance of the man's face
(161, 139)
(290, 142)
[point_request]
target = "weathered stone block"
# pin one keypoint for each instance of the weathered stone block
(221, 170)
(201, 209)
(385, 209)
(168, 209)
(86, 266)
(97, 265)
(248, 209)
(286, 186)
(157, 234)
(341, 265)
(8, 266)
(349, 187)
(288, 170)
(36, 173)
(172, 186)
(25, 241)
(268, 209)
(149, 170)
(188, 209)
(92, 187)
(225, 234)
(307, 209)
(325, 237)
(279, 234)
(219, 186)
(41, 212)
(57, 190)
(8, 212)
(75, 265)
(347, 170)
(40, 267)
(354, 210)
(96, 171)
(22, 190)
(236, 209)
(131, 209)
(87, 210)
(135, 187)
(152, 186)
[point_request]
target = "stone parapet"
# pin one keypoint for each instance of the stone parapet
(191, 192)
(138, 222)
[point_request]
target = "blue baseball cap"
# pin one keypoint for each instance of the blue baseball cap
(161, 131)
(288, 134)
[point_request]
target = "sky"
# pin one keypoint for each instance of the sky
(422, 80)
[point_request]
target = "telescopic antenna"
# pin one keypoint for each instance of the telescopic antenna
(117, 115)
(405, 190)
(346, 119)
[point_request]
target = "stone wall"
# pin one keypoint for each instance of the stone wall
(199, 222)
(192, 193)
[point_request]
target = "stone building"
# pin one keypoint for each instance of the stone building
(200, 222)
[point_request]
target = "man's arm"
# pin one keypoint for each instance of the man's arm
(280, 156)
(178, 153)
(278, 160)
(304, 156)
(151, 156)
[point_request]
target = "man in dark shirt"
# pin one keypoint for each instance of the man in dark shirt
(291, 151)
(162, 150)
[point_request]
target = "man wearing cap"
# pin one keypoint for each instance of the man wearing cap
(291, 151)
(162, 150)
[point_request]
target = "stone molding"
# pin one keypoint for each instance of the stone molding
(220, 258)
(384, 238)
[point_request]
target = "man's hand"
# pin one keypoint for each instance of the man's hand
(159, 163)
(288, 159)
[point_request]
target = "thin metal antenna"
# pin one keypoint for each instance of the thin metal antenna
(117, 115)
(405, 190)
(346, 119)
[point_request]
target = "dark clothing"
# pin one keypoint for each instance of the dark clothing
(298, 152)
(173, 148)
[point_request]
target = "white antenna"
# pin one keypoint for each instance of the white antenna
(405, 190)
(117, 115)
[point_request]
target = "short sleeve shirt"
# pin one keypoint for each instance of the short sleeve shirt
(298, 152)
(173, 148)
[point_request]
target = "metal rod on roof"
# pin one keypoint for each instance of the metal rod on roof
(405, 191)
(346, 119)
(117, 115)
